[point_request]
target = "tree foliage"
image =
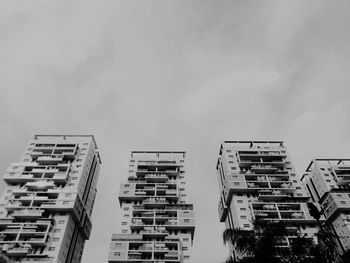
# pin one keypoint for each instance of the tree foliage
(263, 244)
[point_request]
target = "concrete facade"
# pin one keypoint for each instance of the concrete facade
(157, 222)
(45, 211)
(328, 182)
(257, 180)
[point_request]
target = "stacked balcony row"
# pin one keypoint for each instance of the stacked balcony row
(134, 249)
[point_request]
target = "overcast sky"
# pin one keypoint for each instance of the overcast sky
(175, 75)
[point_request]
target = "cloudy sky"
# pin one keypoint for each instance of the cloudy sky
(175, 75)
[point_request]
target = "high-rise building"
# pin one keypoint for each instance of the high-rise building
(328, 182)
(46, 207)
(257, 180)
(157, 222)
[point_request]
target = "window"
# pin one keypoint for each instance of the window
(243, 209)
(124, 223)
(65, 202)
(246, 225)
(55, 239)
(126, 208)
(184, 248)
(51, 248)
(116, 254)
(240, 201)
(243, 217)
(185, 239)
(124, 231)
(126, 215)
(186, 257)
(57, 230)
(61, 221)
(68, 194)
(186, 220)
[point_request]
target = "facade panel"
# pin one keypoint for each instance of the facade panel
(257, 180)
(157, 222)
(46, 208)
(328, 182)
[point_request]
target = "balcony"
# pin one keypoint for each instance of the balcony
(222, 208)
(336, 205)
(66, 152)
(171, 192)
(50, 160)
(171, 255)
(283, 187)
(27, 214)
(263, 168)
(156, 178)
(34, 175)
(257, 184)
(143, 214)
(60, 177)
(264, 206)
(18, 251)
(37, 241)
(293, 216)
(279, 178)
(40, 185)
(154, 231)
(266, 215)
(272, 195)
(36, 152)
(289, 207)
(155, 202)
(138, 223)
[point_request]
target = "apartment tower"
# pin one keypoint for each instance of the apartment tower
(328, 182)
(46, 207)
(157, 222)
(257, 180)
